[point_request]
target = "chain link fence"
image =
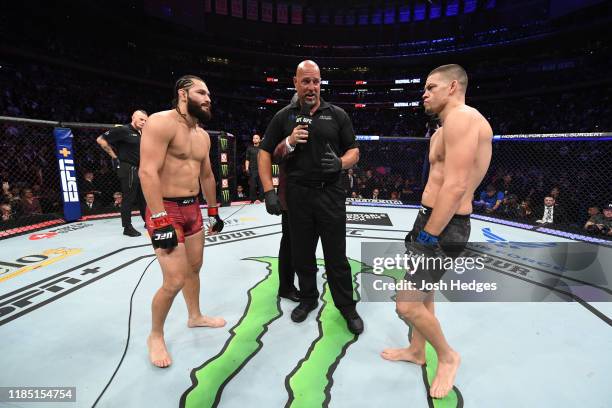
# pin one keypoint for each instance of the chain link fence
(573, 169)
(32, 192)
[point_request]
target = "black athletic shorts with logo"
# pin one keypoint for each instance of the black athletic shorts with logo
(453, 240)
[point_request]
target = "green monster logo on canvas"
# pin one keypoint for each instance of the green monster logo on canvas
(310, 382)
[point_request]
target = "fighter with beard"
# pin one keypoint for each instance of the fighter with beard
(174, 154)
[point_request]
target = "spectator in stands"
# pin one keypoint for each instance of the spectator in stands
(506, 185)
(607, 222)
(29, 203)
(350, 182)
(595, 218)
(7, 212)
(526, 210)
(600, 223)
(394, 195)
(376, 194)
(240, 192)
(408, 194)
(551, 213)
(490, 199)
(88, 184)
(510, 207)
(90, 206)
(117, 200)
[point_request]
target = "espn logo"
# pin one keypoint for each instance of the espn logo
(163, 235)
(69, 185)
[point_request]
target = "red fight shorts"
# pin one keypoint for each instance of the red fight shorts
(185, 214)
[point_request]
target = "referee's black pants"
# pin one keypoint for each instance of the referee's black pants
(132, 193)
(286, 272)
(320, 212)
(255, 186)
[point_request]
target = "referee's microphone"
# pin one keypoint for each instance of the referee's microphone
(304, 118)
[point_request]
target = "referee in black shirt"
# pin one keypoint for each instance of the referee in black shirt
(322, 141)
(126, 158)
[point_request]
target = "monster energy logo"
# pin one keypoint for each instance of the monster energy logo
(275, 169)
(225, 195)
(224, 170)
(223, 143)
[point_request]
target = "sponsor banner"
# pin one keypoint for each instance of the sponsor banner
(266, 11)
(368, 218)
(12, 268)
(231, 236)
(237, 8)
(252, 10)
(221, 7)
(370, 200)
(225, 196)
(223, 143)
(62, 230)
(282, 13)
(67, 170)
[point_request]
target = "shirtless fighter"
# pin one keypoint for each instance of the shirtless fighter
(174, 155)
(460, 153)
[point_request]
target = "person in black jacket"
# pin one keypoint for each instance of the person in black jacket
(122, 144)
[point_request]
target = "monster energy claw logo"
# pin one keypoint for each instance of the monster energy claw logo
(223, 143)
(225, 194)
(224, 170)
(275, 169)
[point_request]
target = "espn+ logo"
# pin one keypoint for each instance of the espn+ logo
(69, 185)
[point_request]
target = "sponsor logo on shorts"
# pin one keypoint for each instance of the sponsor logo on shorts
(368, 218)
(275, 169)
(225, 195)
(223, 157)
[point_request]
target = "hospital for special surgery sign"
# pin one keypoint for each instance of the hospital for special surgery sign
(368, 218)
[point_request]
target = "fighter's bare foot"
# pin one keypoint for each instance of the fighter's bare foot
(158, 353)
(404, 354)
(442, 384)
(206, 321)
